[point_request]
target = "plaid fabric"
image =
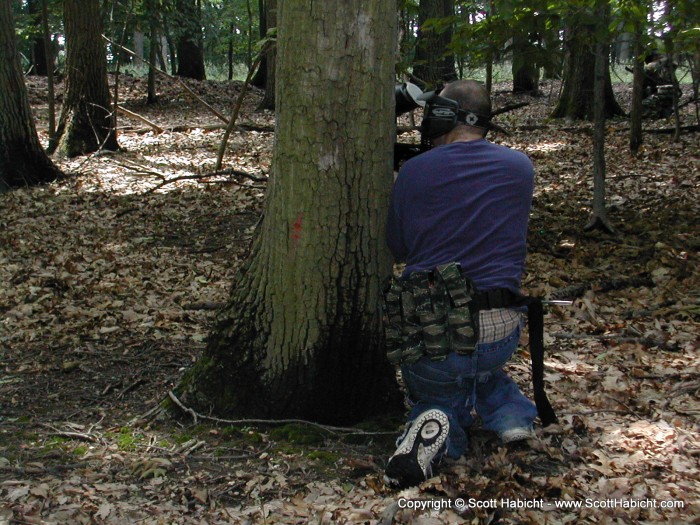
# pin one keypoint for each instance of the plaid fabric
(497, 323)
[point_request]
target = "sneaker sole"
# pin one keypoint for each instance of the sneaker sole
(404, 468)
(516, 437)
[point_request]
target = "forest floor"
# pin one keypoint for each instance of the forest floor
(110, 280)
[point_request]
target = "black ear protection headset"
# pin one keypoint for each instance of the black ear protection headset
(440, 116)
(443, 114)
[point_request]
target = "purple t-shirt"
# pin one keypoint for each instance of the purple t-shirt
(467, 202)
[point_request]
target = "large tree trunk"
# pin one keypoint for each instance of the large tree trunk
(300, 336)
(576, 101)
(86, 123)
(190, 59)
(190, 56)
(22, 159)
(526, 73)
(39, 62)
(433, 62)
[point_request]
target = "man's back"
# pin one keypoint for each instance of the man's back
(469, 202)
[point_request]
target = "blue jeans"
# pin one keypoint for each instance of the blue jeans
(460, 383)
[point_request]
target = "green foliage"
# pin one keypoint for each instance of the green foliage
(487, 31)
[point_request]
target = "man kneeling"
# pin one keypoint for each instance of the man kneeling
(458, 219)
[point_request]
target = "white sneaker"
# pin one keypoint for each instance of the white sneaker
(516, 434)
(411, 464)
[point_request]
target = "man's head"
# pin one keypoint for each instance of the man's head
(463, 108)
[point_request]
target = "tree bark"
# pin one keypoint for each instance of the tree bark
(599, 219)
(86, 123)
(190, 56)
(260, 77)
(526, 73)
(576, 101)
(434, 64)
(268, 101)
(300, 335)
(39, 58)
(153, 46)
(22, 159)
(636, 136)
(51, 92)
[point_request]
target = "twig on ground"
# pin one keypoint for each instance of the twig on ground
(81, 436)
(141, 118)
(332, 429)
(213, 174)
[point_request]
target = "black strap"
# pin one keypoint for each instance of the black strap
(535, 320)
(503, 298)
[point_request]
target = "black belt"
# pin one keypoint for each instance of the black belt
(504, 298)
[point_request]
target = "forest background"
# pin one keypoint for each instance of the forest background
(114, 277)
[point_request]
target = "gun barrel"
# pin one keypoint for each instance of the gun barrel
(557, 303)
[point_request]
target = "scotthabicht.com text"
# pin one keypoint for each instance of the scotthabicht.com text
(464, 504)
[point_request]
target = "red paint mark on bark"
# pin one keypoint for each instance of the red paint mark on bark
(297, 228)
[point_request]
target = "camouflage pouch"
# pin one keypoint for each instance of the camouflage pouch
(463, 321)
(435, 335)
(418, 285)
(463, 337)
(413, 347)
(429, 314)
(458, 287)
(392, 321)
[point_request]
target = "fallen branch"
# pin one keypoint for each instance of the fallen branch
(141, 118)
(207, 127)
(509, 107)
(661, 131)
(619, 283)
(82, 436)
(333, 430)
(207, 175)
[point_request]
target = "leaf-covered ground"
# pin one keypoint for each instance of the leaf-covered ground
(109, 281)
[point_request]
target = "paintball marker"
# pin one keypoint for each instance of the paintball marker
(407, 98)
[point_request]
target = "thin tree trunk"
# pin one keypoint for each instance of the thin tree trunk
(260, 77)
(670, 53)
(48, 47)
(269, 60)
(230, 51)
(250, 34)
(152, 57)
(600, 219)
(489, 60)
(171, 47)
(636, 136)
